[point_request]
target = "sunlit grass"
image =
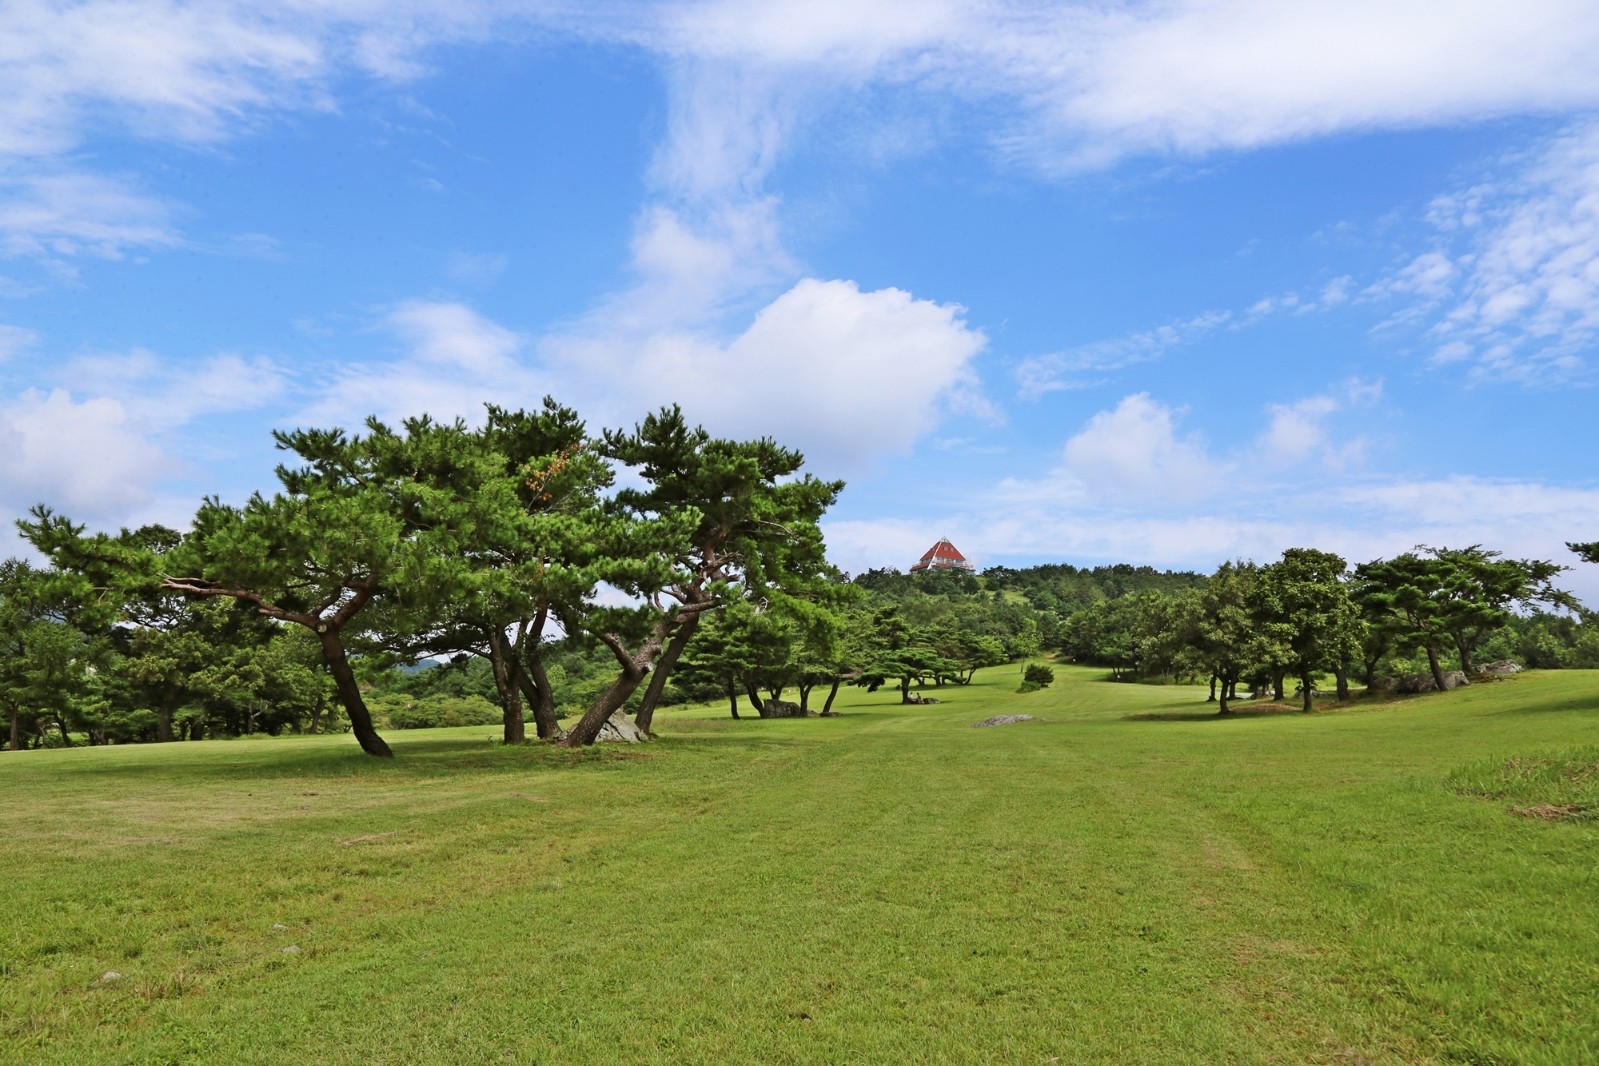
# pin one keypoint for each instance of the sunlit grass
(888, 886)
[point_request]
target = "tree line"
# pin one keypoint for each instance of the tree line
(531, 572)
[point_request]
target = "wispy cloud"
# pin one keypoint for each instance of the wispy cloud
(1511, 289)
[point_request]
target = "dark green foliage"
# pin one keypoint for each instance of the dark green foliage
(1038, 675)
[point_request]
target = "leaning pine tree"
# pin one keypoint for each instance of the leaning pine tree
(361, 538)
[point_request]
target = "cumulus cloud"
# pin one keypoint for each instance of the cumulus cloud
(845, 375)
(88, 456)
(1135, 451)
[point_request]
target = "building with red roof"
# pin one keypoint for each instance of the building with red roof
(943, 556)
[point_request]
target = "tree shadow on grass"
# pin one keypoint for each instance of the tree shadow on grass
(1268, 710)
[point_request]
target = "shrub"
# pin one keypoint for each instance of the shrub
(1038, 675)
(1029, 686)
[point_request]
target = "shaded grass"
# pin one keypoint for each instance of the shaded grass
(887, 886)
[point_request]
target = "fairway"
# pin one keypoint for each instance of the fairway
(1128, 879)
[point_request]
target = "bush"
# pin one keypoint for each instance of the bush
(431, 712)
(1039, 676)
(1029, 686)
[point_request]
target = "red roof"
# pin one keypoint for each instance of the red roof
(942, 556)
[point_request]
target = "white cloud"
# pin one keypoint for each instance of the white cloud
(1134, 452)
(66, 214)
(1512, 290)
(1087, 364)
(88, 457)
(453, 360)
(845, 375)
(14, 340)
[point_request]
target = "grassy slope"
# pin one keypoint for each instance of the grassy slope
(888, 886)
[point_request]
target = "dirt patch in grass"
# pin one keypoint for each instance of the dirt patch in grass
(1551, 812)
(1559, 785)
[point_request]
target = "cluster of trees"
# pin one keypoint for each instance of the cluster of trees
(429, 540)
(1309, 614)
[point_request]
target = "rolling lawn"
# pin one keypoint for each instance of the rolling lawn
(1128, 880)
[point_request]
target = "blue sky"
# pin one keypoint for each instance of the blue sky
(1155, 282)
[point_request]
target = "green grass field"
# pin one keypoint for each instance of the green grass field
(1129, 880)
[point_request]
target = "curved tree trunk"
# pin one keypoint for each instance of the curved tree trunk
(1341, 672)
(663, 666)
(732, 696)
(832, 694)
(350, 695)
(754, 695)
(1436, 668)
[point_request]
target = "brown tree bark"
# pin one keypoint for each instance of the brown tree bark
(732, 697)
(832, 694)
(1304, 690)
(1212, 697)
(1341, 672)
(512, 729)
(534, 682)
(1436, 668)
(163, 724)
(663, 666)
(16, 730)
(611, 700)
(350, 694)
(754, 695)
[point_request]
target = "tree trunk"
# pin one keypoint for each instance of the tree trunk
(1277, 692)
(1341, 672)
(805, 694)
(66, 739)
(16, 730)
(732, 697)
(1437, 670)
(1304, 690)
(1212, 697)
(1221, 700)
(832, 694)
(634, 667)
(663, 666)
(316, 714)
(534, 682)
(350, 695)
(905, 689)
(1466, 664)
(754, 695)
(163, 724)
(1232, 687)
(513, 731)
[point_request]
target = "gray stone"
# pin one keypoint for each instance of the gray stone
(1003, 719)
(1500, 668)
(620, 728)
(292, 949)
(110, 975)
(781, 709)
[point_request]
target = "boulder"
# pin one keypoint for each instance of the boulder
(1002, 719)
(781, 709)
(1500, 669)
(1455, 679)
(619, 727)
